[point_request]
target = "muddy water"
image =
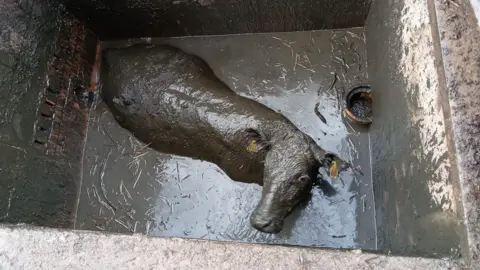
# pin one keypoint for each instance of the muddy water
(128, 187)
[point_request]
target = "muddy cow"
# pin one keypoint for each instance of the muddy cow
(174, 101)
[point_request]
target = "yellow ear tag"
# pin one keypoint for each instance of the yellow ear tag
(333, 170)
(252, 146)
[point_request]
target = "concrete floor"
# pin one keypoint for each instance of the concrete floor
(128, 187)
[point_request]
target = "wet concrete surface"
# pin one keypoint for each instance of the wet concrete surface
(128, 187)
(34, 186)
(413, 168)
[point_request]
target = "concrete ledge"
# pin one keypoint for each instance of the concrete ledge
(459, 36)
(39, 248)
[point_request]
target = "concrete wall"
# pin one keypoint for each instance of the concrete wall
(44, 55)
(28, 31)
(126, 19)
(415, 180)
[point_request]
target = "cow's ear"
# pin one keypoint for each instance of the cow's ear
(256, 141)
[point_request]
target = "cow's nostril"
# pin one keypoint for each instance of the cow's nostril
(266, 224)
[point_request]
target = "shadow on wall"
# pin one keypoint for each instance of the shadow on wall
(168, 18)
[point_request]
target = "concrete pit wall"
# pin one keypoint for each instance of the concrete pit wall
(425, 137)
(413, 180)
(111, 19)
(46, 60)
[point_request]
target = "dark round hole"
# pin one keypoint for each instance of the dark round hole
(359, 105)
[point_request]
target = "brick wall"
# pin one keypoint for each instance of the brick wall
(63, 115)
(69, 91)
